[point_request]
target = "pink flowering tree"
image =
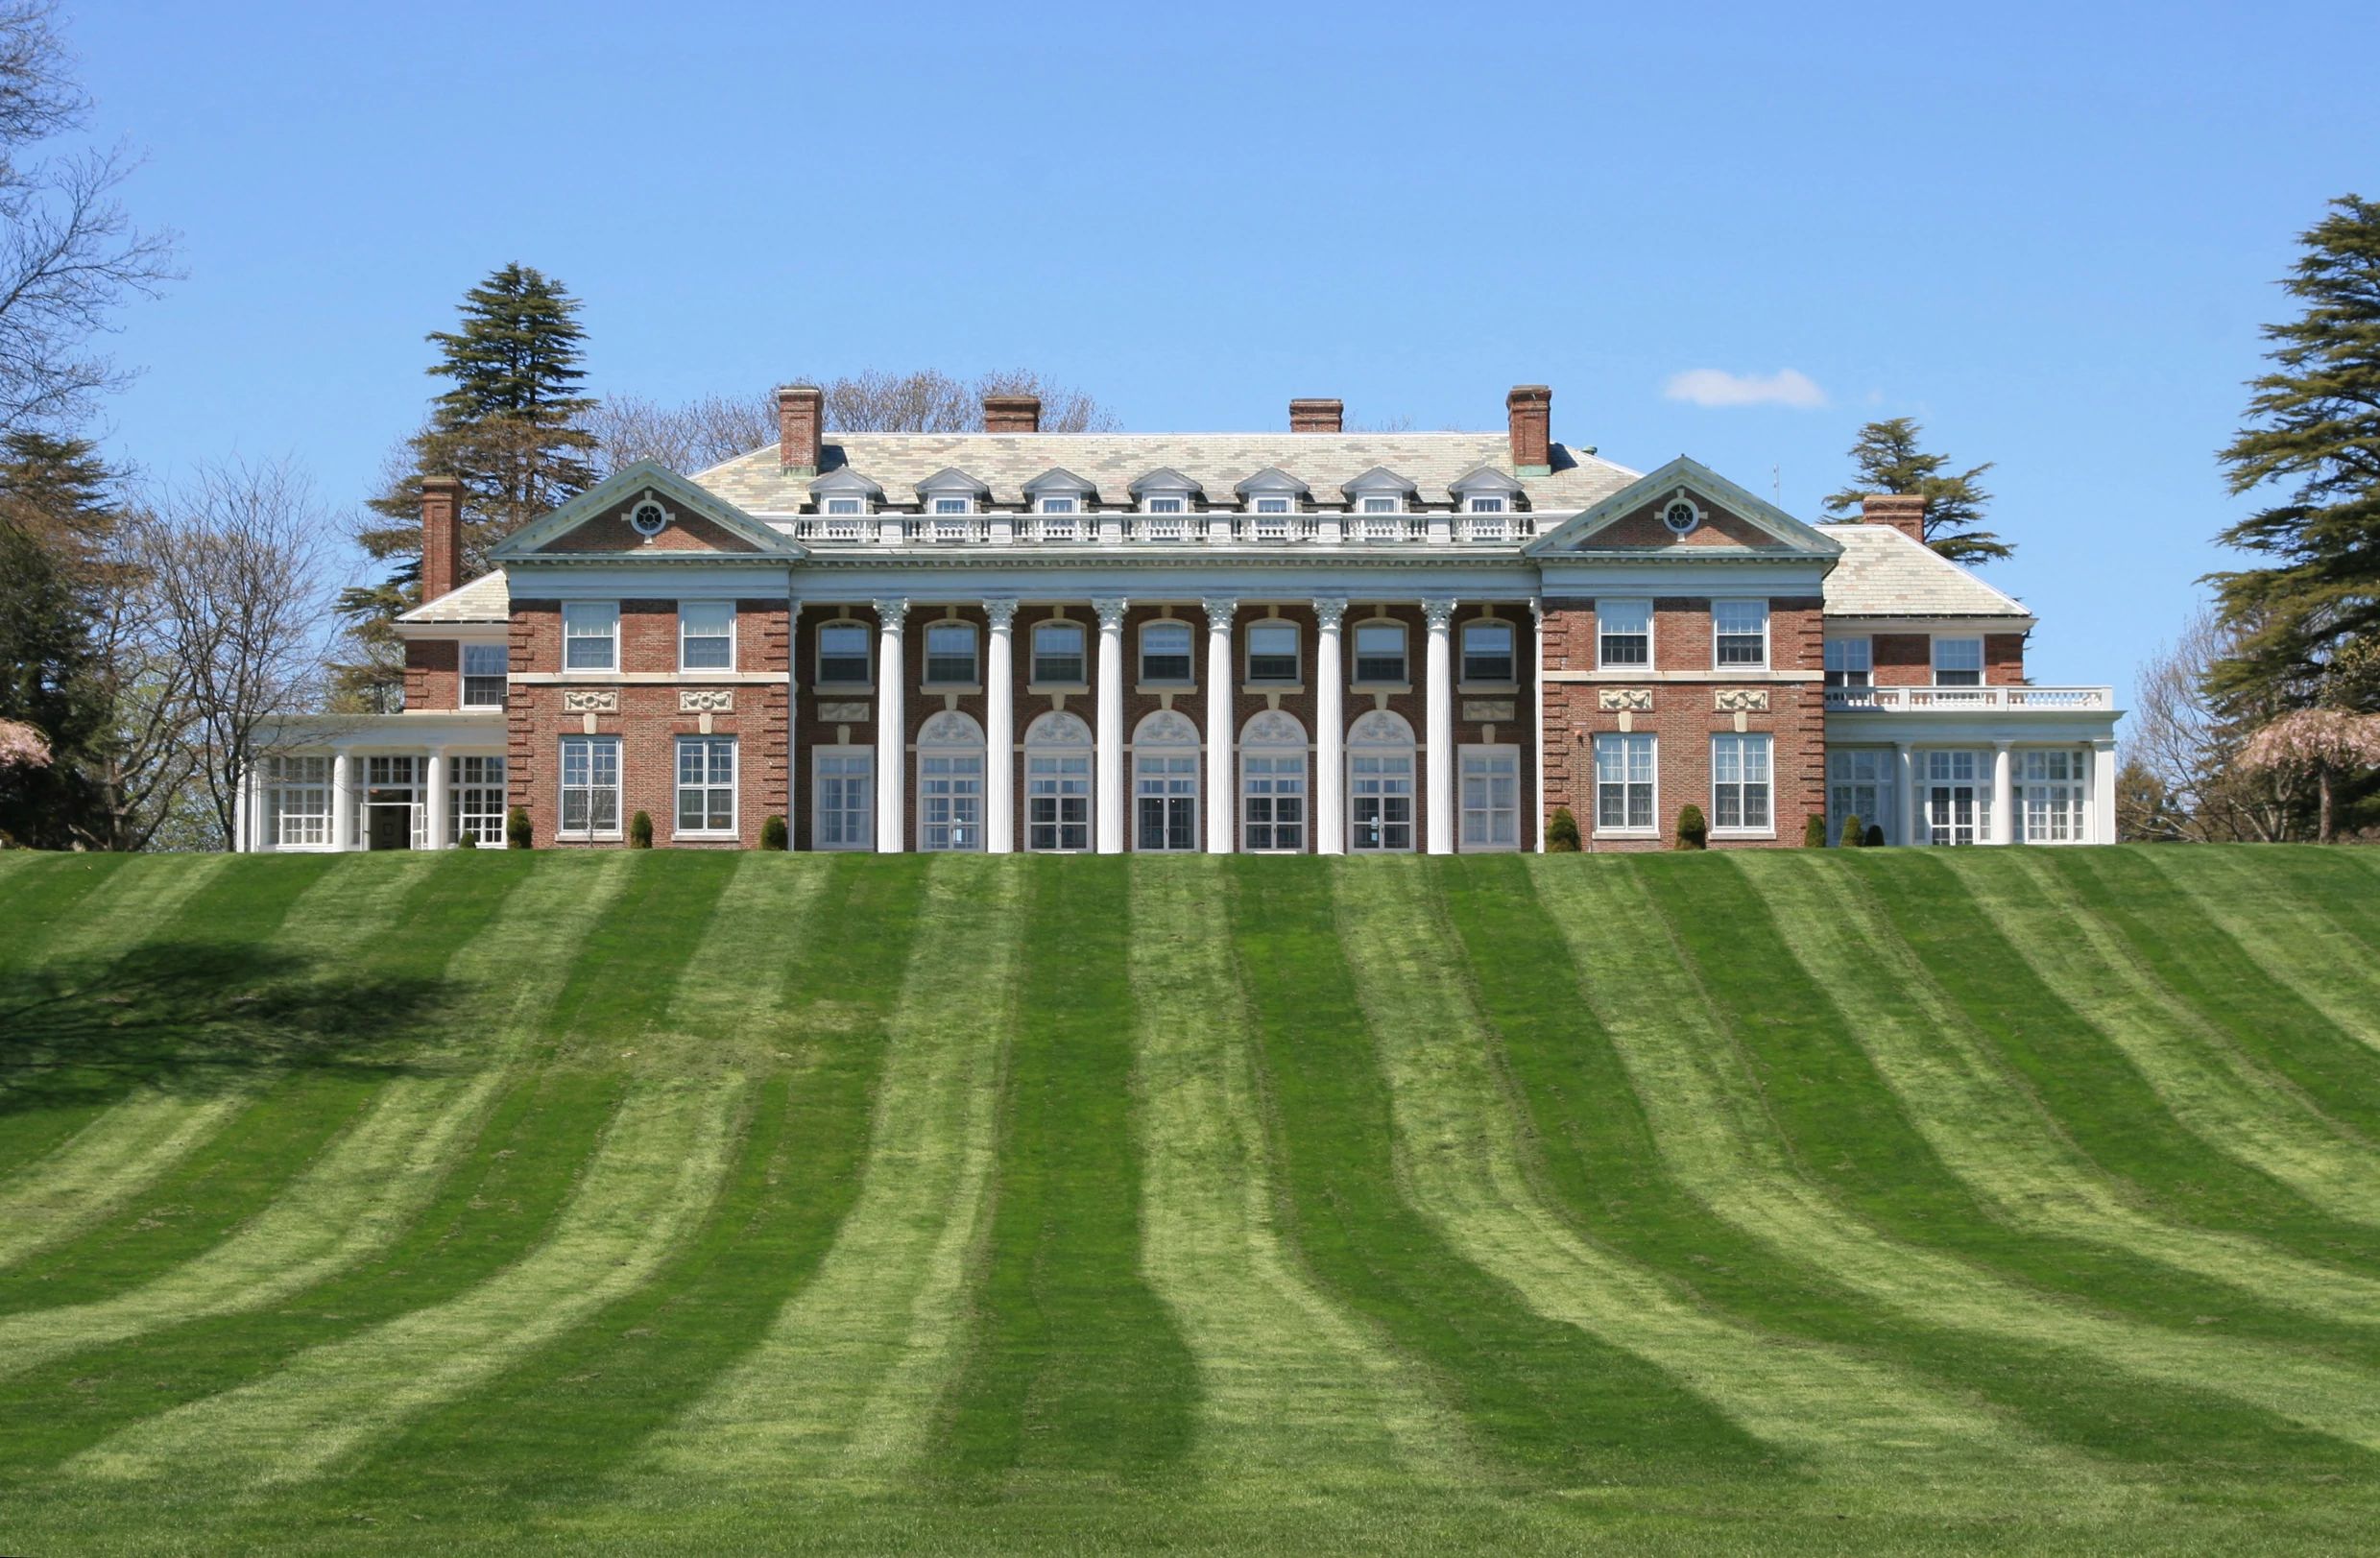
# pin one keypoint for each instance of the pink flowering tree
(21, 746)
(2325, 742)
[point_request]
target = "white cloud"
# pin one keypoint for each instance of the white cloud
(1717, 387)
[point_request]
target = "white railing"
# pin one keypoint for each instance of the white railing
(1964, 700)
(1161, 529)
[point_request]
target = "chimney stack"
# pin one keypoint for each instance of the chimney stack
(1530, 409)
(442, 536)
(1012, 413)
(1904, 512)
(801, 421)
(1317, 416)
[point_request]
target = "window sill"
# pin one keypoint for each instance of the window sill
(707, 836)
(1151, 689)
(588, 838)
(1257, 689)
(962, 689)
(1743, 833)
(1396, 690)
(1072, 689)
(1628, 832)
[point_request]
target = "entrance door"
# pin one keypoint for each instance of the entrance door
(391, 828)
(1956, 802)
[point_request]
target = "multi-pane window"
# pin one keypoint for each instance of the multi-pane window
(1381, 504)
(1958, 662)
(1273, 798)
(843, 798)
(475, 800)
(843, 654)
(1623, 633)
(1167, 505)
(297, 801)
(590, 786)
(1164, 789)
(1275, 505)
(484, 672)
(706, 635)
(591, 631)
(1380, 652)
(2049, 797)
(1380, 802)
(1058, 505)
(706, 784)
(1623, 783)
(949, 801)
(847, 505)
(1741, 629)
(1485, 505)
(1850, 662)
(1491, 798)
(954, 504)
(1739, 784)
(1955, 797)
(949, 654)
(1487, 652)
(1057, 800)
(1166, 652)
(1272, 652)
(1058, 653)
(1861, 784)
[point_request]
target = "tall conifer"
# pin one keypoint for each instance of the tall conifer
(1889, 461)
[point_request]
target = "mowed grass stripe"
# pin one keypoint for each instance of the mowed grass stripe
(1716, 1136)
(40, 894)
(2330, 966)
(1070, 1362)
(844, 1387)
(1291, 1386)
(1462, 1158)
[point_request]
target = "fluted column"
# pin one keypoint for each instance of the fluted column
(1912, 821)
(999, 728)
(1329, 729)
(1439, 611)
(1108, 769)
(892, 726)
(341, 801)
(1220, 735)
(2002, 795)
(436, 781)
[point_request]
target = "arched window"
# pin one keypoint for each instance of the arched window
(1057, 783)
(1273, 783)
(1165, 783)
(950, 783)
(1380, 785)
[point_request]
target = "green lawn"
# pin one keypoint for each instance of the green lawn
(1997, 1200)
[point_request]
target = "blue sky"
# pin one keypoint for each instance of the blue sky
(2049, 232)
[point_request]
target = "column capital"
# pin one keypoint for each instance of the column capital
(891, 610)
(1438, 611)
(1220, 609)
(1000, 612)
(1111, 611)
(2002, 746)
(1329, 611)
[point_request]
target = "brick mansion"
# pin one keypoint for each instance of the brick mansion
(1307, 641)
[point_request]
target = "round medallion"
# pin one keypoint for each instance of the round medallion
(1681, 516)
(648, 517)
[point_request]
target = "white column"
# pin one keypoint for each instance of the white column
(1439, 611)
(1913, 824)
(999, 728)
(2102, 793)
(793, 716)
(892, 727)
(1329, 729)
(1532, 687)
(244, 807)
(341, 801)
(2002, 795)
(1221, 733)
(437, 796)
(1108, 768)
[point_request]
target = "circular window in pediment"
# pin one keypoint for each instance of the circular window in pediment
(647, 518)
(1681, 516)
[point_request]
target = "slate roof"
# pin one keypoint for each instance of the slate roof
(485, 599)
(1885, 574)
(1218, 462)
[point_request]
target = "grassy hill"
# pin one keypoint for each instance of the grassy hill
(700, 1202)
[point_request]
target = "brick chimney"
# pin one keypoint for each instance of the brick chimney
(1904, 512)
(442, 536)
(1317, 416)
(801, 419)
(1530, 408)
(1012, 413)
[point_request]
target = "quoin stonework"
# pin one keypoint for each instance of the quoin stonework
(1312, 641)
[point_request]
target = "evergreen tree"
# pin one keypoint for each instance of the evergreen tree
(510, 426)
(47, 682)
(2313, 435)
(1889, 461)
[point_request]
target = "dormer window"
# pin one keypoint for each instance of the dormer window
(847, 505)
(1275, 505)
(1485, 503)
(846, 498)
(954, 504)
(1271, 495)
(1167, 505)
(1487, 492)
(1381, 504)
(1058, 505)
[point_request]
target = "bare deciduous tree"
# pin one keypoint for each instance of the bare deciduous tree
(2191, 748)
(143, 769)
(687, 439)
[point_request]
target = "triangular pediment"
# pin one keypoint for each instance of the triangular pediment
(1684, 508)
(648, 511)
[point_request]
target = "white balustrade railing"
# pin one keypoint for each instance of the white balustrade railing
(1930, 699)
(1161, 529)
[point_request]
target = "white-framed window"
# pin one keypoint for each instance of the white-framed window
(949, 654)
(842, 797)
(1485, 503)
(1850, 662)
(591, 636)
(1624, 635)
(706, 635)
(1381, 504)
(486, 668)
(1165, 649)
(1165, 786)
(1741, 789)
(590, 786)
(1273, 651)
(2049, 796)
(1379, 653)
(1740, 634)
(847, 505)
(1058, 657)
(1057, 784)
(1272, 786)
(1490, 798)
(297, 801)
(1862, 782)
(1276, 505)
(1624, 781)
(1958, 662)
(949, 784)
(1956, 795)
(1381, 770)
(1489, 656)
(1166, 505)
(707, 784)
(475, 800)
(1059, 504)
(846, 654)
(953, 505)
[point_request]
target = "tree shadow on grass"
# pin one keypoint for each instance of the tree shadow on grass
(198, 1018)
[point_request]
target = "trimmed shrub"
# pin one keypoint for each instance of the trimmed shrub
(1693, 832)
(467, 840)
(517, 831)
(1562, 833)
(1854, 834)
(641, 830)
(1814, 833)
(1876, 837)
(773, 833)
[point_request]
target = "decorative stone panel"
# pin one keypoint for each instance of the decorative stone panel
(1488, 708)
(1740, 700)
(591, 699)
(705, 700)
(1626, 699)
(843, 714)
